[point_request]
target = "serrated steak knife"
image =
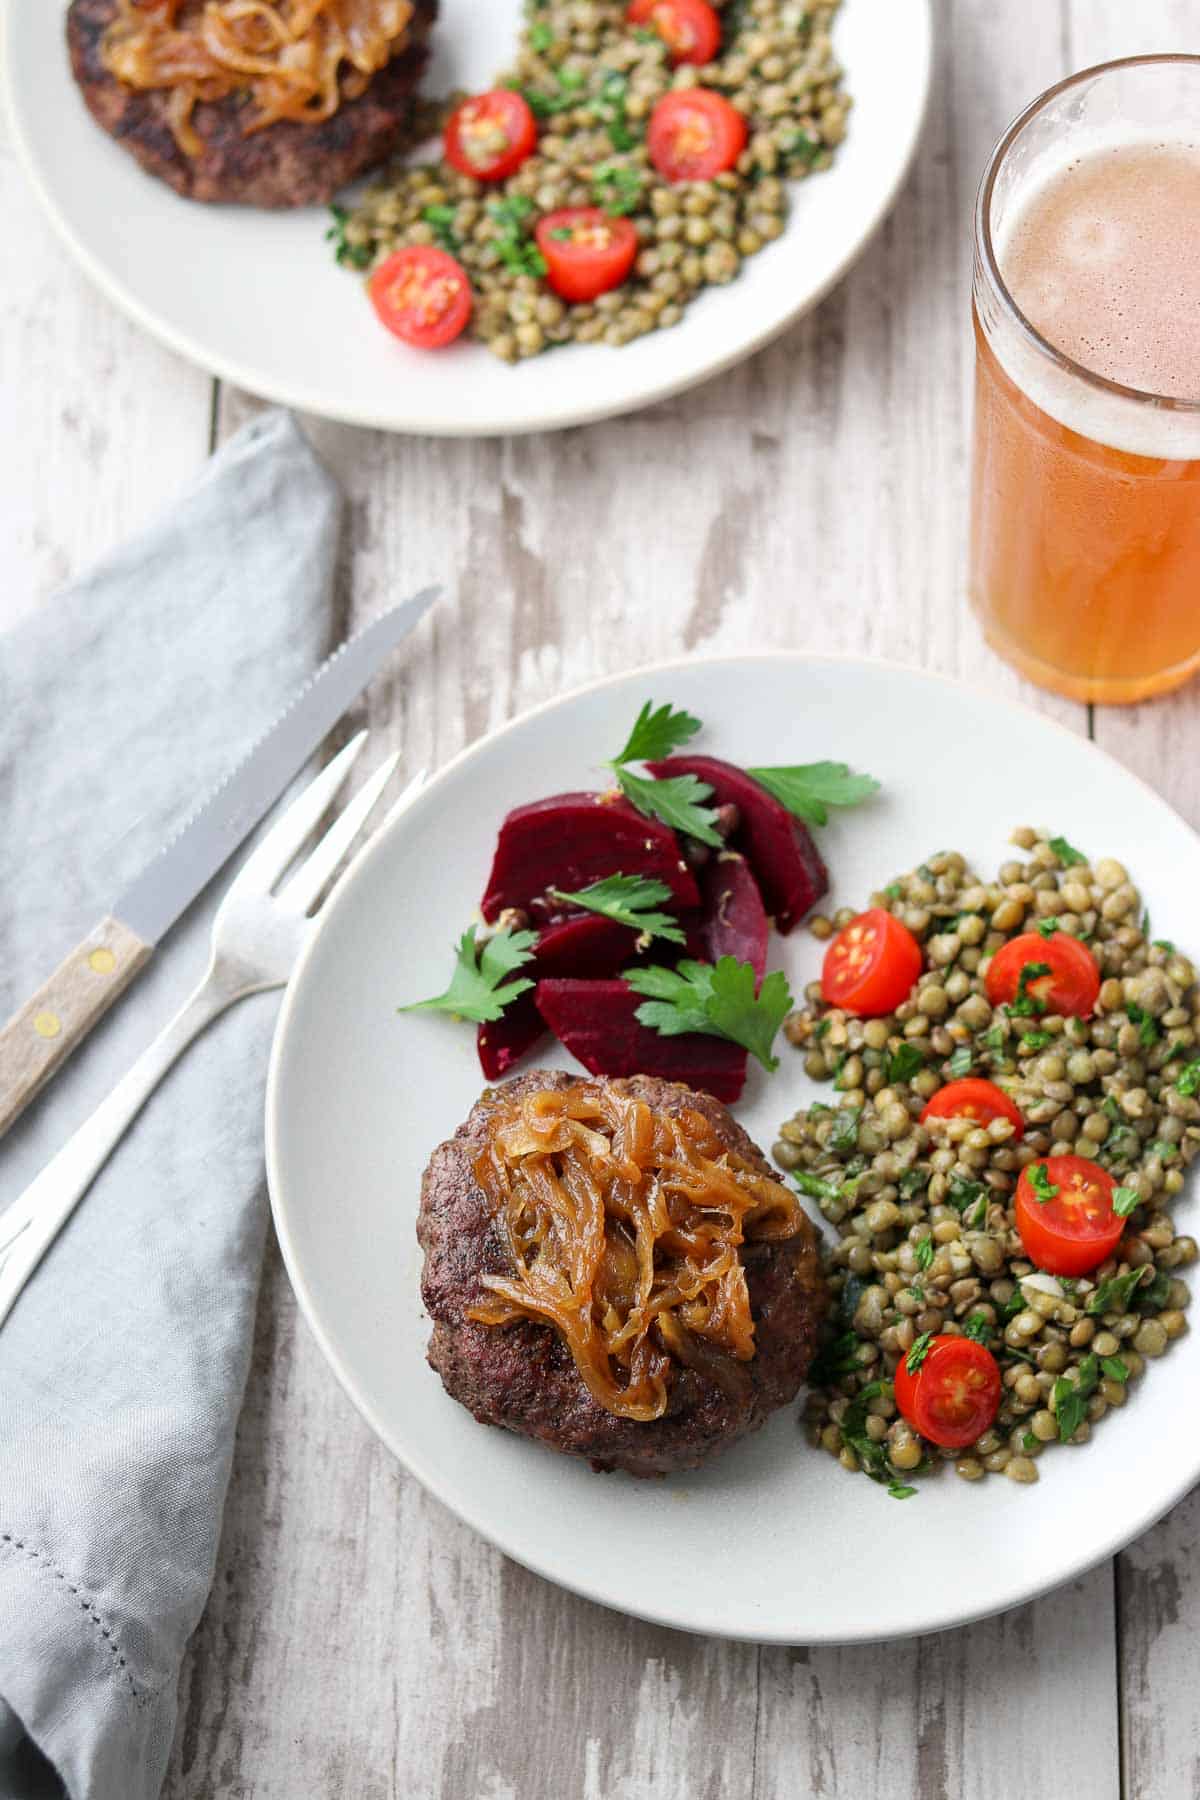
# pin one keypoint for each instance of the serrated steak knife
(38, 1040)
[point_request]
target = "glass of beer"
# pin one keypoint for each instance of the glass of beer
(1085, 509)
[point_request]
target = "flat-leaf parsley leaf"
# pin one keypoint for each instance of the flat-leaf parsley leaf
(478, 988)
(629, 899)
(809, 789)
(717, 999)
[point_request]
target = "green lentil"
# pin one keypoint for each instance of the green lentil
(593, 83)
(1089, 1087)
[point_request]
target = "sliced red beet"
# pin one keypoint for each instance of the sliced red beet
(596, 1022)
(570, 840)
(584, 945)
(735, 919)
(778, 846)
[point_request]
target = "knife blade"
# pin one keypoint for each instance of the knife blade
(39, 1038)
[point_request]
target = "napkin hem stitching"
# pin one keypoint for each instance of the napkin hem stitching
(143, 1696)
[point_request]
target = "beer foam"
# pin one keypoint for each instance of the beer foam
(1100, 250)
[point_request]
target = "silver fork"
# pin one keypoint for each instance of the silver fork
(256, 939)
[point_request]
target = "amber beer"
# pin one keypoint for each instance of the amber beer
(1085, 536)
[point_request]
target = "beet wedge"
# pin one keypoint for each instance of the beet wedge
(570, 840)
(734, 917)
(584, 945)
(596, 1022)
(780, 851)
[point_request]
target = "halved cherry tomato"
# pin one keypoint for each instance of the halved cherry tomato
(1075, 1229)
(1069, 981)
(587, 251)
(954, 1393)
(422, 295)
(871, 965)
(974, 1099)
(695, 134)
(690, 29)
(490, 135)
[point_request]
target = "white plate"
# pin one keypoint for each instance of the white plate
(773, 1541)
(257, 298)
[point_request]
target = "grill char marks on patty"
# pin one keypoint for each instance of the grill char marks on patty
(285, 164)
(522, 1376)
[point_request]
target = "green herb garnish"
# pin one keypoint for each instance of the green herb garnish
(1147, 1025)
(350, 256)
(678, 800)
(1124, 1200)
(809, 789)
(1115, 1369)
(1036, 1040)
(617, 188)
(609, 108)
(904, 1063)
(919, 1352)
(628, 899)
(543, 105)
(1071, 1397)
(913, 1180)
(1025, 1005)
(442, 220)
(514, 246)
(924, 1253)
(478, 988)
(900, 1490)
(837, 1357)
(1115, 1294)
(1047, 927)
(541, 38)
(1039, 1180)
(1188, 1079)
(817, 1187)
(717, 999)
(844, 1133)
(1030, 1441)
(892, 891)
(1066, 853)
(960, 1063)
(978, 1326)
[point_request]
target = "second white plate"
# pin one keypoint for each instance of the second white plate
(257, 298)
(773, 1541)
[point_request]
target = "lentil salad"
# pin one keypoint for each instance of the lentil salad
(928, 1243)
(593, 82)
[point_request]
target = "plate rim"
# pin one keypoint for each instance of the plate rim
(937, 1619)
(295, 397)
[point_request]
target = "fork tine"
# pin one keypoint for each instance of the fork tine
(263, 867)
(304, 886)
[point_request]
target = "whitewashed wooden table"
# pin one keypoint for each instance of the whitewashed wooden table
(359, 1641)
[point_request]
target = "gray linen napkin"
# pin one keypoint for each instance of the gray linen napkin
(123, 1364)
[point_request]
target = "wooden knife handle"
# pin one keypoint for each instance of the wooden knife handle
(38, 1040)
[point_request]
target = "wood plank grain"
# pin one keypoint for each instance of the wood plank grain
(1158, 1578)
(100, 424)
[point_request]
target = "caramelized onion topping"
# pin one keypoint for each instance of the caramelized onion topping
(623, 1226)
(293, 59)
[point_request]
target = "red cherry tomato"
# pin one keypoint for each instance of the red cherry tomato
(690, 29)
(694, 134)
(871, 965)
(974, 1099)
(587, 251)
(1069, 983)
(490, 135)
(1074, 1229)
(422, 295)
(953, 1395)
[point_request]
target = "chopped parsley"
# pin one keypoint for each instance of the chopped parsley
(1124, 1200)
(562, 99)
(609, 108)
(1122, 1143)
(960, 1063)
(628, 900)
(514, 246)
(817, 1187)
(1071, 1397)
(900, 1490)
(978, 1326)
(844, 1135)
(718, 999)
(442, 220)
(1066, 853)
(1026, 1004)
(837, 1357)
(1047, 927)
(1164, 944)
(350, 256)
(913, 1180)
(479, 989)
(617, 188)
(1115, 1294)
(809, 789)
(892, 891)
(1030, 1441)
(540, 37)
(919, 1351)
(924, 1252)
(1115, 1369)
(969, 1198)
(1039, 1180)
(905, 1062)
(1147, 1025)
(1036, 1040)
(994, 1040)
(1188, 1079)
